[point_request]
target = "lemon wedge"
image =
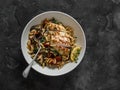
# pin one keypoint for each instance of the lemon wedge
(75, 53)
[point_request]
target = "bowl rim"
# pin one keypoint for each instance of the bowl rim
(59, 12)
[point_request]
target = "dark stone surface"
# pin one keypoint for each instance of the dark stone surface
(100, 68)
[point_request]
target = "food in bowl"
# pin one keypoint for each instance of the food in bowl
(57, 41)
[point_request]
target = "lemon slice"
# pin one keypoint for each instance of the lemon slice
(75, 53)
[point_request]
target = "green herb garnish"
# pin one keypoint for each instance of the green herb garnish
(55, 52)
(35, 50)
(53, 20)
(42, 39)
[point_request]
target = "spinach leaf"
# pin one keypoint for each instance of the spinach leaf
(55, 52)
(35, 50)
(42, 39)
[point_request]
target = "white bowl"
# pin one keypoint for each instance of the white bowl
(66, 20)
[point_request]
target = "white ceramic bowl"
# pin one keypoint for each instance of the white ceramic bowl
(66, 20)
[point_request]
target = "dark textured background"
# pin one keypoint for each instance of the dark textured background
(99, 69)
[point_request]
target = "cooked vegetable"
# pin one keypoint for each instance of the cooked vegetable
(58, 58)
(42, 39)
(35, 50)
